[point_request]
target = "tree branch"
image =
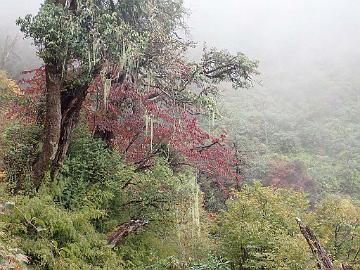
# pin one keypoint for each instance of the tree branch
(323, 260)
(124, 230)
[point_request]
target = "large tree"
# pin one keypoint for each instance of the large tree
(135, 44)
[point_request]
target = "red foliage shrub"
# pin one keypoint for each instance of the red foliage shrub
(127, 117)
(290, 174)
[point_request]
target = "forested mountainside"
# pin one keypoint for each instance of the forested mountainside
(310, 143)
(120, 151)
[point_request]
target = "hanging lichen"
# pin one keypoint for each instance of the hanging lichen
(149, 81)
(107, 87)
(123, 57)
(89, 59)
(195, 208)
(179, 231)
(151, 134)
(72, 25)
(95, 49)
(213, 118)
(168, 151)
(130, 62)
(146, 116)
(174, 128)
(209, 123)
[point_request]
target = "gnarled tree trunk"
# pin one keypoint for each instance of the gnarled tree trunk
(52, 123)
(71, 103)
(62, 113)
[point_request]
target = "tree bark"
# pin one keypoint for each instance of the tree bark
(63, 106)
(52, 123)
(71, 103)
(124, 230)
(346, 267)
(323, 260)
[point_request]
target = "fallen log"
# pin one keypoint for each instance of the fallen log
(124, 230)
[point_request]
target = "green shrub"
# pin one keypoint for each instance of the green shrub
(55, 238)
(65, 224)
(20, 145)
(89, 166)
(211, 263)
(259, 230)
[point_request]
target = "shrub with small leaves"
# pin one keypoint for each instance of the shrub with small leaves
(55, 238)
(20, 145)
